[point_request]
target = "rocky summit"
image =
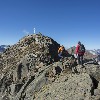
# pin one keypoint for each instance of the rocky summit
(31, 70)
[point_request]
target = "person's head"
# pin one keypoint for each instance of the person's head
(79, 42)
(62, 46)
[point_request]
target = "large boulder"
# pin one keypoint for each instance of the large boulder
(68, 87)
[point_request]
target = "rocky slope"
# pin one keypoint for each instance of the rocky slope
(31, 70)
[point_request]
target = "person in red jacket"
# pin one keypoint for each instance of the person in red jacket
(80, 50)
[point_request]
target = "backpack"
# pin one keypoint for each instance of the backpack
(82, 48)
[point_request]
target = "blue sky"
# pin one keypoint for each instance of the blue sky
(66, 21)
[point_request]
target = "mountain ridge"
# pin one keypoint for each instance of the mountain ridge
(3, 47)
(94, 51)
(31, 70)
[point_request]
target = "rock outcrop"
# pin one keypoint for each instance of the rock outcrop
(31, 70)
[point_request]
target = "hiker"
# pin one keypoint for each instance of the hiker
(61, 51)
(80, 50)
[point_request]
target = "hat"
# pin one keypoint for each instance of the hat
(79, 42)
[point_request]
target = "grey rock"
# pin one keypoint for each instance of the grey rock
(31, 70)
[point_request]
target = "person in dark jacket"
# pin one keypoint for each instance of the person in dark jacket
(80, 53)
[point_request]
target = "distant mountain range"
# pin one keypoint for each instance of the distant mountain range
(3, 47)
(94, 52)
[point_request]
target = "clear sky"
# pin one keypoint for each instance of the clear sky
(66, 21)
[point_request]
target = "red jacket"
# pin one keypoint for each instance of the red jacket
(77, 50)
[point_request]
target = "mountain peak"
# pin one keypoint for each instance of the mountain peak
(31, 69)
